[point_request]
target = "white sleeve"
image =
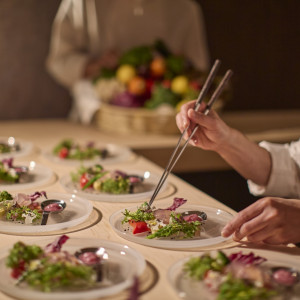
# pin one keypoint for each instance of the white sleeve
(284, 179)
(68, 53)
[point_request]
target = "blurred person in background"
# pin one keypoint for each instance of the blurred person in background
(90, 35)
(272, 170)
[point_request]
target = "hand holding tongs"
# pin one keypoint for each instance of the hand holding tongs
(200, 98)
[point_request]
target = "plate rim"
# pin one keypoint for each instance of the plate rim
(176, 267)
(114, 198)
(18, 154)
(87, 294)
(29, 229)
(169, 244)
(47, 153)
(49, 173)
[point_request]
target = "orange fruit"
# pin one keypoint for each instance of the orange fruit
(158, 67)
(137, 85)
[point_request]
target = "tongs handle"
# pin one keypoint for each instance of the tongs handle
(200, 98)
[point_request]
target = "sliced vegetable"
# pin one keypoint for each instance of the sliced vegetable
(138, 226)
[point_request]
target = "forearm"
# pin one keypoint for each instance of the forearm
(246, 157)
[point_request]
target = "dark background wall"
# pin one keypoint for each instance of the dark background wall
(258, 39)
(26, 90)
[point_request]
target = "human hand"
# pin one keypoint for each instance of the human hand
(212, 131)
(269, 220)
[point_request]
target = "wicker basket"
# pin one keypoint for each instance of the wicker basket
(122, 120)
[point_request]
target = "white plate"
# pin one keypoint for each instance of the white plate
(25, 148)
(76, 212)
(149, 185)
(39, 176)
(216, 220)
(128, 262)
(116, 154)
(188, 288)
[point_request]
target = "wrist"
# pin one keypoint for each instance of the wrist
(228, 142)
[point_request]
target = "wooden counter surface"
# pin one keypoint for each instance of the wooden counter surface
(154, 283)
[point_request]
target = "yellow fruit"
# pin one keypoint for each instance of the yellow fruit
(180, 85)
(125, 73)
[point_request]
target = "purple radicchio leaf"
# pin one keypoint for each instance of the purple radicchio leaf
(57, 244)
(90, 144)
(246, 259)
(8, 162)
(177, 202)
(37, 195)
(117, 173)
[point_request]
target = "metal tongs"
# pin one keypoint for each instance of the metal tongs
(173, 159)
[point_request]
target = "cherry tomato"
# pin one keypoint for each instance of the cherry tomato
(17, 271)
(64, 152)
(138, 227)
(84, 180)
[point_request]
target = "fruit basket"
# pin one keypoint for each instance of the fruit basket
(145, 90)
(123, 120)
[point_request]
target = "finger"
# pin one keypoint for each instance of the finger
(181, 123)
(274, 240)
(266, 233)
(253, 225)
(242, 217)
(182, 117)
(202, 107)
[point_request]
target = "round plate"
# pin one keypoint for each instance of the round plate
(38, 176)
(188, 288)
(216, 220)
(116, 154)
(76, 212)
(149, 185)
(25, 148)
(125, 262)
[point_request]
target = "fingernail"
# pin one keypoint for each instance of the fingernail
(190, 112)
(224, 232)
(184, 123)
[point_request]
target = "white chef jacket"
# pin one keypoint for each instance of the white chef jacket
(284, 179)
(85, 29)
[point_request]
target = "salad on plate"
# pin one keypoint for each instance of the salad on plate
(99, 180)
(68, 268)
(9, 146)
(237, 276)
(12, 174)
(69, 149)
(50, 268)
(21, 208)
(165, 223)
(13, 147)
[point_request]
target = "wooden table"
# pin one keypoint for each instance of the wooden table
(154, 284)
